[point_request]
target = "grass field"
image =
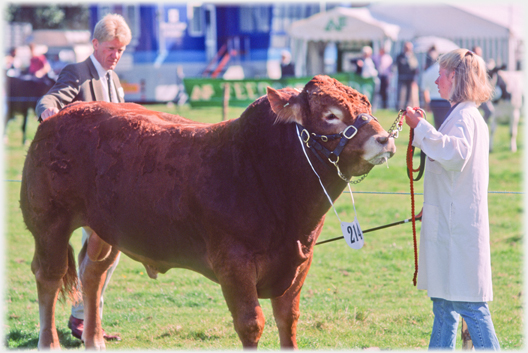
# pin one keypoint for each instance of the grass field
(352, 299)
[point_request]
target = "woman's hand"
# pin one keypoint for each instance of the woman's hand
(412, 117)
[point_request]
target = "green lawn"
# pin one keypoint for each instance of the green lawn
(351, 299)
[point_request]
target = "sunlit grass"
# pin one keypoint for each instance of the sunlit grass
(350, 300)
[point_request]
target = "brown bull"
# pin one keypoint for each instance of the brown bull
(235, 201)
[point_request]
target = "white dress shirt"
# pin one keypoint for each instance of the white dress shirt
(102, 76)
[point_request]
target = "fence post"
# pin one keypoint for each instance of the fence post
(225, 101)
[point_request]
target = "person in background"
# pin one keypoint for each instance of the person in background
(487, 107)
(455, 262)
(38, 65)
(430, 57)
(287, 66)
(91, 80)
(407, 66)
(12, 64)
(383, 62)
(367, 69)
(433, 101)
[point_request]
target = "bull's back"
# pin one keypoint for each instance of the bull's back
(127, 172)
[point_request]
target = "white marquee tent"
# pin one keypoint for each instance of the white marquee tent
(340, 24)
(495, 28)
(498, 29)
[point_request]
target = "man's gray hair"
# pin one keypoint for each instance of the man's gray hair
(112, 26)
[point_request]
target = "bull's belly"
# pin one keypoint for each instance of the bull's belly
(154, 266)
(273, 272)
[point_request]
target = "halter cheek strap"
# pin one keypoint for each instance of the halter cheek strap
(311, 140)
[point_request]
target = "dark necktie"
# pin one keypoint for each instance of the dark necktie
(108, 80)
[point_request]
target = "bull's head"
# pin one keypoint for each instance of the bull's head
(326, 107)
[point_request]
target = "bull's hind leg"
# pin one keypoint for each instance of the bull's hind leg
(54, 267)
(286, 310)
(239, 289)
(95, 259)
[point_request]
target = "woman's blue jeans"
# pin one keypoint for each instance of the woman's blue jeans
(477, 317)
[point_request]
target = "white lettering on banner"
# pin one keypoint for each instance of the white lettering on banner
(239, 91)
(202, 93)
(250, 89)
(262, 88)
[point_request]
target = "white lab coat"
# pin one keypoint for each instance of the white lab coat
(454, 259)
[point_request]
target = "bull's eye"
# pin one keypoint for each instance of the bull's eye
(333, 115)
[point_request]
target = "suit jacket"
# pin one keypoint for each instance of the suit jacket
(77, 82)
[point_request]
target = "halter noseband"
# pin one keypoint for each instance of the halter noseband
(311, 140)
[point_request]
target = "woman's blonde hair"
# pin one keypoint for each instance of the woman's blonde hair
(471, 81)
(112, 26)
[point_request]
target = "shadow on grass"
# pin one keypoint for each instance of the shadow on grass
(29, 339)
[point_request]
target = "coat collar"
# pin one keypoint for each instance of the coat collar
(456, 110)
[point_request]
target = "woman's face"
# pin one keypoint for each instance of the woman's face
(445, 82)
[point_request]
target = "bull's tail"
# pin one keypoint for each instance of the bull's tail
(70, 284)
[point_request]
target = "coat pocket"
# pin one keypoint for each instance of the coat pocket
(429, 222)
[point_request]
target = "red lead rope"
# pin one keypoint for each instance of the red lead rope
(411, 170)
(410, 150)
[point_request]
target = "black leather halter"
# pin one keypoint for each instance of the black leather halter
(311, 140)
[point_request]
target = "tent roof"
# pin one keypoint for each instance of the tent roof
(343, 24)
(510, 15)
(444, 20)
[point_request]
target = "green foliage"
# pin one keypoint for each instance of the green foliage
(350, 300)
(51, 16)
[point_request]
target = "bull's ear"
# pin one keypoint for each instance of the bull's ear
(284, 105)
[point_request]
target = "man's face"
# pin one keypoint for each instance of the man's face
(108, 53)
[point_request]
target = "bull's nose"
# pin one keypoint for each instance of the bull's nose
(388, 144)
(383, 140)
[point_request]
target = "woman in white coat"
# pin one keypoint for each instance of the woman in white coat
(454, 264)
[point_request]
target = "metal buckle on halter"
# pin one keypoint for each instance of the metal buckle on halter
(305, 140)
(336, 159)
(345, 132)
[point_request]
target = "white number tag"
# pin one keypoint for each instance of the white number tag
(353, 234)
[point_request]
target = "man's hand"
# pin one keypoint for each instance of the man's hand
(49, 112)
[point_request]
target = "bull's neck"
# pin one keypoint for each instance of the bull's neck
(283, 165)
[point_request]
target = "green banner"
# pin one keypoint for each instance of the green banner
(208, 92)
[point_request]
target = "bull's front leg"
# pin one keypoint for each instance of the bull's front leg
(286, 309)
(47, 298)
(239, 288)
(95, 260)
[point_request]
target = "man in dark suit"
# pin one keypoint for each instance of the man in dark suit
(91, 80)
